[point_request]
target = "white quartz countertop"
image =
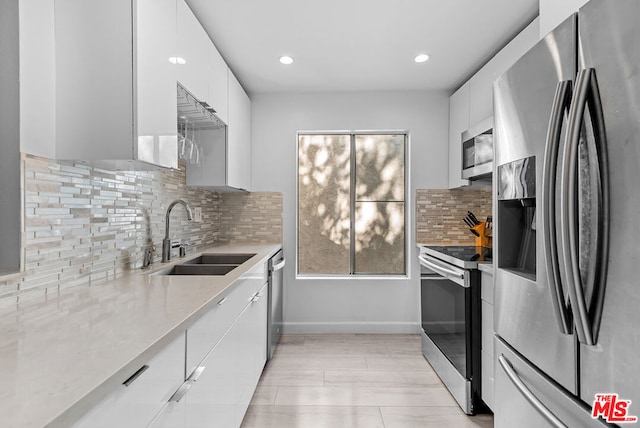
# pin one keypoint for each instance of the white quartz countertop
(61, 354)
(486, 267)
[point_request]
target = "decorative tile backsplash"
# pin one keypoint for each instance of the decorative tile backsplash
(439, 214)
(84, 225)
(250, 217)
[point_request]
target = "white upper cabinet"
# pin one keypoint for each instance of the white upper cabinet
(204, 72)
(226, 152)
(115, 85)
(239, 137)
(473, 102)
(225, 164)
(481, 84)
(554, 12)
(218, 84)
(458, 123)
(193, 48)
(37, 63)
(156, 89)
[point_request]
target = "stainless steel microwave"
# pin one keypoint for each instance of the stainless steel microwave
(477, 150)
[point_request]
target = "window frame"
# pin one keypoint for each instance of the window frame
(407, 205)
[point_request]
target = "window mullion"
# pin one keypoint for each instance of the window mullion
(352, 205)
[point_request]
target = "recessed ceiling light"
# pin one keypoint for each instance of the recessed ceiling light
(286, 60)
(177, 60)
(421, 58)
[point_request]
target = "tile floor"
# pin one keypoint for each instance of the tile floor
(351, 381)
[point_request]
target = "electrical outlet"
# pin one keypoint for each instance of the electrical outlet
(197, 214)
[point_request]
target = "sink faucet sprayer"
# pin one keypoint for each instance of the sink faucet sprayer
(166, 242)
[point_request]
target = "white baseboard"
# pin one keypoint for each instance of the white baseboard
(351, 328)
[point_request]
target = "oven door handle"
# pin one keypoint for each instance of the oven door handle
(456, 275)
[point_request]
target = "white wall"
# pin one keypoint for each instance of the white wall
(37, 78)
(553, 12)
(355, 305)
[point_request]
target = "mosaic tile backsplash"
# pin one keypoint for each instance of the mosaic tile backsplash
(84, 225)
(250, 217)
(439, 214)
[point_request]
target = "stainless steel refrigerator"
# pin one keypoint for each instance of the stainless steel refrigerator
(567, 224)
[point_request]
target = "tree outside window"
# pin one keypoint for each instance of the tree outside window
(351, 203)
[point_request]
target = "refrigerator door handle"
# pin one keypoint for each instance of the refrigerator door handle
(587, 320)
(561, 103)
(528, 395)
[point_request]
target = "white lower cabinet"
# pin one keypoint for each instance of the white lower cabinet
(222, 355)
(251, 351)
(143, 394)
(221, 386)
(487, 338)
(210, 399)
(203, 335)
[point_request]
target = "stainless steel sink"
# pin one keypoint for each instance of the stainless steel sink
(219, 259)
(207, 264)
(197, 269)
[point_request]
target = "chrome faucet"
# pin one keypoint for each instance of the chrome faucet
(166, 242)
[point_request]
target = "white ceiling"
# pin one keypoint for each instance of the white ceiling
(359, 45)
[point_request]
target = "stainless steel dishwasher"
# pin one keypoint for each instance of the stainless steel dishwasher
(274, 323)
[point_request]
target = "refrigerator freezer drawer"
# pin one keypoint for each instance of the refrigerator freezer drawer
(524, 406)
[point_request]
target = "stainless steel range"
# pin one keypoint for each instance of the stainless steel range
(451, 318)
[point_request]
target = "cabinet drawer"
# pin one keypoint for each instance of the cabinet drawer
(486, 282)
(142, 396)
(210, 401)
(208, 330)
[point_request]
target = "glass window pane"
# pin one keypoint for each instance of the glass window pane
(324, 170)
(380, 167)
(380, 238)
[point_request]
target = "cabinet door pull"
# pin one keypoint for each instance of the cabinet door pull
(184, 388)
(224, 299)
(135, 376)
(196, 374)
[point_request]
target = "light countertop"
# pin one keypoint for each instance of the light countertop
(62, 354)
(486, 267)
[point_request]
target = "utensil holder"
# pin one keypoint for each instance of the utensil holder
(485, 239)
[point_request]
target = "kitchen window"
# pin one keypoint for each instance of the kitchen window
(351, 204)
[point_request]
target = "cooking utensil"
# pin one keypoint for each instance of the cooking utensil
(475, 233)
(473, 218)
(468, 222)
